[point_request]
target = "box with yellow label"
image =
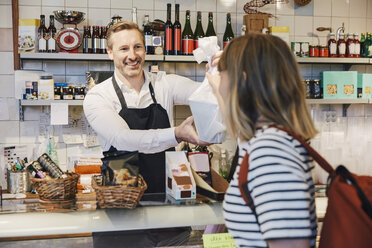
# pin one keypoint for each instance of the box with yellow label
(282, 32)
(365, 83)
(27, 35)
(340, 84)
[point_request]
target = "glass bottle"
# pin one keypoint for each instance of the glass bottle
(356, 46)
(134, 15)
(102, 40)
(228, 35)
(332, 45)
(341, 46)
(177, 33)
(199, 33)
(95, 40)
(147, 29)
(350, 46)
(210, 28)
(362, 40)
(51, 35)
(169, 32)
(42, 34)
(224, 166)
(87, 40)
(368, 46)
(187, 36)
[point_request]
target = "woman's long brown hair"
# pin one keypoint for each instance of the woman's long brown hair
(264, 83)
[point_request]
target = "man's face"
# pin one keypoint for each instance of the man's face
(128, 52)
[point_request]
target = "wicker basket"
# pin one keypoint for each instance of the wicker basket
(118, 196)
(56, 189)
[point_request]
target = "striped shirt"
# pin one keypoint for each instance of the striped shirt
(282, 190)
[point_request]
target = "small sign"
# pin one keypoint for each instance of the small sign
(218, 240)
(59, 114)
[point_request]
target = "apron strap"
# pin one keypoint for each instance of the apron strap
(120, 94)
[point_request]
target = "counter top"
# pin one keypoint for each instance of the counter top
(102, 220)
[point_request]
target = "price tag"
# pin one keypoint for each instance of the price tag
(218, 240)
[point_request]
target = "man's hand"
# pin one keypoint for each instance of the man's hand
(186, 132)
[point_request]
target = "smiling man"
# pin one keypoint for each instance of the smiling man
(132, 110)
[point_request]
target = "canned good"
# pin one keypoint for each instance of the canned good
(79, 92)
(304, 49)
(314, 51)
(296, 48)
(324, 51)
(316, 89)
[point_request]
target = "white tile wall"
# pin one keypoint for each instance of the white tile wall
(6, 85)
(340, 8)
(98, 4)
(7, 64)
(9, 132)
(5, 1)
(144, 4)
(322, 7)
(358, 8)
(77, 3)
(206, 5)
(30, 2)
(226, 6)
(53, 2)
(5, 16)
(99, 16)
(29, 12)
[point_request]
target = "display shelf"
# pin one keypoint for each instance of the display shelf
(338, 101)
(78, 56)
(179, 58)
(320, 60)
(48, 102)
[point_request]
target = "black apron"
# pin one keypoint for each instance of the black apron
(151, 166)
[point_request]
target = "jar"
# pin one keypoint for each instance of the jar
(67, 93)
(57, 93)
(332, 45)
(308, 87)
(324, 51)
(79, 92)
(316, 89)
(314, 51)
(341, 46)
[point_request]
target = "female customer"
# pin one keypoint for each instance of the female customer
(260, 89)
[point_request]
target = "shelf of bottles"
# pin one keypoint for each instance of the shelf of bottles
(321, 60)
(78, 56)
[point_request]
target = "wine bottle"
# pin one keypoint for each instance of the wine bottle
(147, 29)
(199, 33)
(177, 33)
(168, 32)
(51, 35)
(210, 28)
(228, 35)
(187, 36)
(42, 34)
(103, 40)
(95, 40)
(87, 40)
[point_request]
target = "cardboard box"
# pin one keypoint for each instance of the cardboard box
(179, 180)
(256, 22)
(27, 35)
(340, 84)
(365, 83)
(281, 32)
(219, 184)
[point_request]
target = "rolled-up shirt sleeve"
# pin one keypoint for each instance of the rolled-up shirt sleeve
(107, 123)
(181, 88)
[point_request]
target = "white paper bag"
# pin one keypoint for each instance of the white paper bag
(203, 103)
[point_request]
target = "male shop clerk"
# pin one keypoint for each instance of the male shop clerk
(132, 110)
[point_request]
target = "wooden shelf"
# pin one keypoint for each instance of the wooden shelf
(338, 101)
(320, 60)
(48, 102)
(79, 56)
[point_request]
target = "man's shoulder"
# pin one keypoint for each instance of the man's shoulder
(103, 86)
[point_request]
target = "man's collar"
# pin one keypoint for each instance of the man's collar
(125, 88)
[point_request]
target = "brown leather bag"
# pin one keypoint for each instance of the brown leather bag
(348, 219)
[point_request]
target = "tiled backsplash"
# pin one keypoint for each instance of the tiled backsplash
(303, 21)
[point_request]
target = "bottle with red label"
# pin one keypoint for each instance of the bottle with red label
(341, 46)
(229, 34)
(350, 46)
(177, 33)
(187, 36)
(356, 46)
(168, 32)
(332, 45)
(199, 33)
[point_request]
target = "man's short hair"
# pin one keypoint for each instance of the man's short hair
(122, 25)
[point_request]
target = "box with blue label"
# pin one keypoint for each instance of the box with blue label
(340, 84)
(365, 83)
